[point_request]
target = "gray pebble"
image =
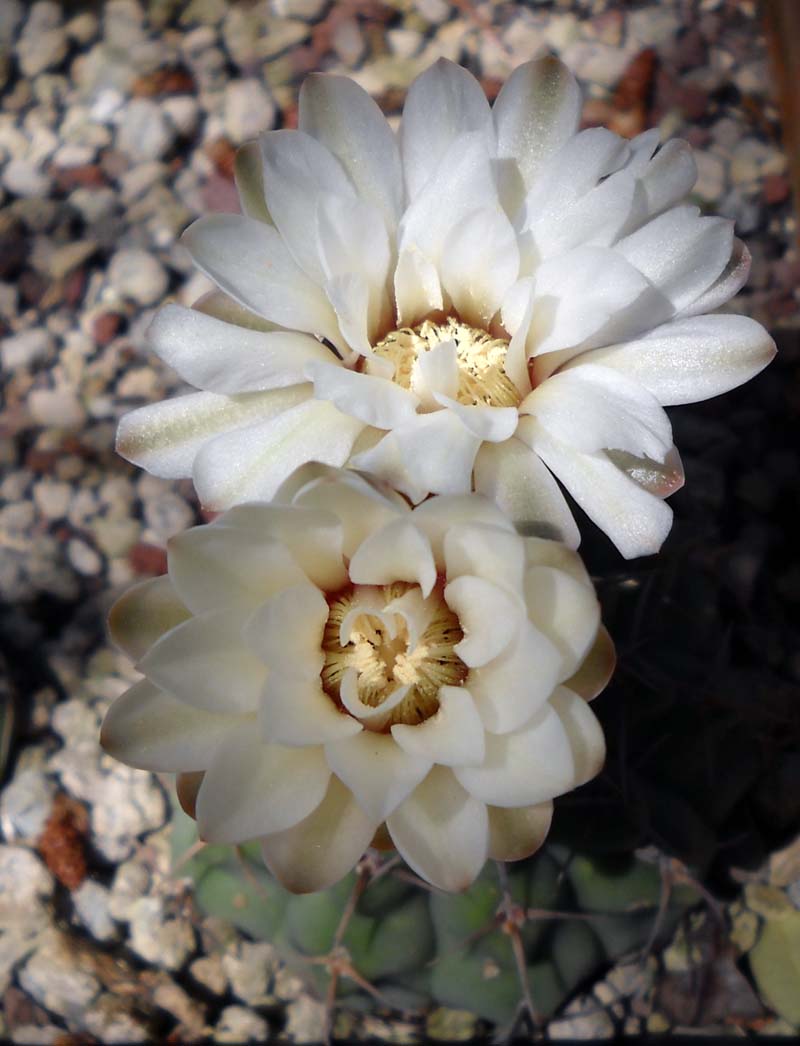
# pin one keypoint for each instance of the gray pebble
(167, 940)
(25, 805)
(138, 275)
(43, 43)
(54, 978)
(143, 132)
(91, 901)
(25, 349)
(238, 1024)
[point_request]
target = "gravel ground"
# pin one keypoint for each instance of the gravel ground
(118, 125)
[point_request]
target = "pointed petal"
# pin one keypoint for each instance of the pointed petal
(453, 736)
(375, 401)
(397, 552)
(436, 516)
(436, 371)
(250, 261)
(480, 262)
(322, 848)
(518, 832)
(296, 711)
(667, 178)
(490, 618)
(564, 610)
(285, 633)
(484, 551)
(731, 280)
(596, 669)
(248, 173)
(376, 770)
(252, 789)
(251, 463)
(143, 614)
(495, 424)
(151, 730)
(442, 832)
(417, 289)
(221, 306)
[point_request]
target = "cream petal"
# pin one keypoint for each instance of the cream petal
(165, 438)
(484, 551)
(667, 178)
(516, 479)
(490, 618)
(584, 732)
(679, 252)
(572, 172)
(285, 633)
(143, 614)
(509, 690)
(596, 669)
(443, 104)
(441, 832)
(415, 610)
(694, 359)
(518, 832)
(453, 736)
(437, 515)
(375, 401)
(479, 263)
(417, 289)
(349, 296)
(597, 218)
(215, 567)
(517, 314)
(376, 770)
(152, 730)
(252, 789)
(494, 424)
(313, 537)
(397, 552)
(436, 371)
(295, 711)
(248, 173)
(564, 610)
(221, 306)
(251, 463)
(343, 117)
(543, 552)
(205, 663)
(320, 850)
(373, 717)
(249, 260)
(728, 283)
(225, 359)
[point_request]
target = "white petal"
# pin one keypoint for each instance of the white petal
(437, 515)
(479, 263)
(536, 111)
(298, 170)
(513, 476)
(143, 614)
(338, 113)
(490, 618)
(151, 730)
(417, 289)
(730, 281)
(397, 552)
(517, 314)
(165, 438)
(636, 521)
(680, 253)
(692, 359)
(252, 789)
(485, 551)
(564, 610)
(248, 172)
(572, 172)
(251, 463)
(285, 633)
(668, 177)
(584, 732)
(215, 567)
(296, 711)
(375, 401)
(596, 218)
(222, 358)
(221, 306)
(374, 717)
(453, 736)
(486, 423)
(543, 552)
(436, 371)
(433, 454)
(205, 663)
(509, 690)
(518, 832)
(319, 851)
(349, 296)
(597, 668)
(443, 104)
(442, 832)
(250, 261)
(376, 770)
(313, 536)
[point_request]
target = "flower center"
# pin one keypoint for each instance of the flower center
(387, 652)
(482, 379)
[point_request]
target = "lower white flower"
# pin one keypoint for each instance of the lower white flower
(336, 670)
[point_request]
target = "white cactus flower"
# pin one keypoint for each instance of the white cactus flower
(486, 302)
(336, 669)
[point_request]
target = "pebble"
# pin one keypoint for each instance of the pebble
(25, 178)
(237, 1025)
(43, 43)
(249, 110)
(166, 940)
(144, 133)
(710, 183)
(84, 558)
(138, 275)
(57, 408)
(25, 349)
(248, 971)
(25, 805)
(167, 514)
(127, 804)
(91, 901)
(54, 977)
(109, 1022)
(210, 972)
(131, 881)
(183, 112)
(25, 888)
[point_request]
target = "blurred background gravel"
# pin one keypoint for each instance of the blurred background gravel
(118, 126)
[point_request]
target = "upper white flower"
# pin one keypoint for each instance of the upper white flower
(335, 669)
(488, 300)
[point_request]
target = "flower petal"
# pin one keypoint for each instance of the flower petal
(248, 173)
(479, 263)
(543, 552)
(143, 614)
(376, 770)
(729, 282)
(221, 306)
(397, 552)
(518, 832)
(251, 463)
(252, 789)
(349, 296)
(250, 261)
(442, 832)
(494, 424)
(417, 289)
(484, 551)
(509, 690)
(667, 178)
(320, 850)
(165, 438)
(453, 736)
(205, 663)
(596, 669)
(564, 610)
(490, 618)
(285, 633)
(152, 730)
(296, 711)
(436, 371)
(693, 359)
(437, 515)
(584, 732)
(373, 400)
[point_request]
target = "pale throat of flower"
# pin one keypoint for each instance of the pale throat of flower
(479, 358)
(388, 650)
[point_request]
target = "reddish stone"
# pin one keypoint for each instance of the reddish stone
(148, 559)
(88, 176)
(74, 287)
(635, 85)
(106, 327)
(62, 843)
(776, 188)
(175, 80)
(32, 286)
(223, 155)
(42, 462)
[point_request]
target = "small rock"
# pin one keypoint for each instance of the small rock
(249, 110)
(25, 887)
(43, 43)
(54, 978)
(84, 558)
(347, 41)
(210, 972)
(25, 805)
(138, 275)
(776, 188)
(25, 178)
(25, 349)
(83, 27)
(249, 971)
(433, 11)
(64, 259)
(57, 408)
(131, 882)
(144, 133)
(110, 1021)
(238, 1024)
(183, 111)
(166, 940)
(305, 1020)
(167, 514)
(91, 902)
(52, 498)
(710, 182)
